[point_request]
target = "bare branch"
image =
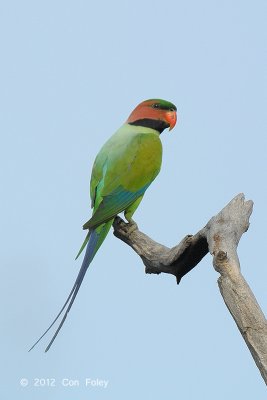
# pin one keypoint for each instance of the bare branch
(220, 237)
(157, 258)
(237, 295)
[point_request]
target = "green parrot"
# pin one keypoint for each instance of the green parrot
(123, 169)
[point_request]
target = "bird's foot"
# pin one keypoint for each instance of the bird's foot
(124, 228)
(131, 226)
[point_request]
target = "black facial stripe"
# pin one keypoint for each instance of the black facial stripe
(156, 124)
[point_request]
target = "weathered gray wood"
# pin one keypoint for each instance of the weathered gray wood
(220, 237)
(157, 258)
(223, 239)
(248, 316)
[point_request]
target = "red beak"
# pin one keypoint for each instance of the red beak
(171, 118)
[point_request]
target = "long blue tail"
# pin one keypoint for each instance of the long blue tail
(96, 238)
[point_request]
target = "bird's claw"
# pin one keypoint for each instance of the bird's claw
(131, 226)
(126, 228)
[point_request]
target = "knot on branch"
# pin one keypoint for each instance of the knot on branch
(220, 260)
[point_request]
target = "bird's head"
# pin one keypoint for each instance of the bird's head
(154, 113)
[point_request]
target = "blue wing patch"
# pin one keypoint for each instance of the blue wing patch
(113, 204)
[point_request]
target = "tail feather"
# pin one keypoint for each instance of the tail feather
(95, 239)
(84, 244)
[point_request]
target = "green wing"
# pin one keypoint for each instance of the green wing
(113, 204)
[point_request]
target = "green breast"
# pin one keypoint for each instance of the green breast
(130, 158)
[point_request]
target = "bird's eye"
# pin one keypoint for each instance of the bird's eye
(171, 109)
(155, 105)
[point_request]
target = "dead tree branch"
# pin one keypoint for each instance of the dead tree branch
(220, 237)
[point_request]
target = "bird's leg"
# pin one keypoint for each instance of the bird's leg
(128, 213)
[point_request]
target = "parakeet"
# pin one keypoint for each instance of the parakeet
(123, 170)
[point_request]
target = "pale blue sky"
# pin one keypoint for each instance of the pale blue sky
(70, 74)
